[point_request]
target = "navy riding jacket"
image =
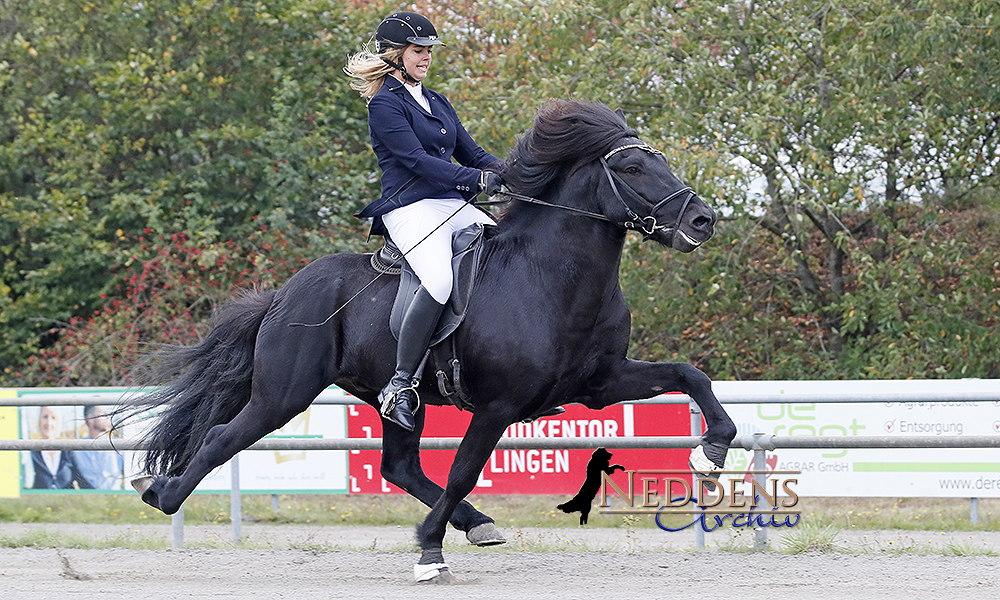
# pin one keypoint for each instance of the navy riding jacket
(415, 150)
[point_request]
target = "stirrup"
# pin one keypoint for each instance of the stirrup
(395, 410)
(386, 407)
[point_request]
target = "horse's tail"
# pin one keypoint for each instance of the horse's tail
(204, 385)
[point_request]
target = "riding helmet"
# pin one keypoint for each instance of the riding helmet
(404, 27)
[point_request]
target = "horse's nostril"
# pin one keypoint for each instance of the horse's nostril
(702, 223)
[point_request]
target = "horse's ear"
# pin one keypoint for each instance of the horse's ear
(621, 113)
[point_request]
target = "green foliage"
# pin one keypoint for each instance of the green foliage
(163, 118)
(927, 310)
(834, 130)
(165, 295)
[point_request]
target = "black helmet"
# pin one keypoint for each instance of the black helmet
(402, 28)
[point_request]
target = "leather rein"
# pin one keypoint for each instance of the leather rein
(647, 225)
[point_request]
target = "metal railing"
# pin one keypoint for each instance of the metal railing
(728, 392)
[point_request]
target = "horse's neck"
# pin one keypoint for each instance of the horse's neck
(556, 240)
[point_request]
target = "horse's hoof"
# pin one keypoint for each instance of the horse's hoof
(148, 488)
(141, 484)
(434, 573)
(486, 534)
(704, 468)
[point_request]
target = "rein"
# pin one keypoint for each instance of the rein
(647, 225)
(531, 200)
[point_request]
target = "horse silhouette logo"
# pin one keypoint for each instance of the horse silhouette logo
(600, 462)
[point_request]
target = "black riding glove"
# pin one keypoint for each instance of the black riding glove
(490, 183)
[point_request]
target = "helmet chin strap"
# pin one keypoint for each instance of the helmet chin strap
(399, 67)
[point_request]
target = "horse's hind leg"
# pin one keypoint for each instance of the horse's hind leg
(272, 404)
(401, 466)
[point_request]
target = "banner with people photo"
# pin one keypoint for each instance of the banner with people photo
(70, 470)
(111, 471)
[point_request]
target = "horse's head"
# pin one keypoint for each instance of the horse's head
(654, 201)
(634, 189)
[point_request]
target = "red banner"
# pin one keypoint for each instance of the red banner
(527, 471)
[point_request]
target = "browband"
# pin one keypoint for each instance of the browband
(640, 146)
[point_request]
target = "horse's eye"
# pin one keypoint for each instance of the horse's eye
(633, 170)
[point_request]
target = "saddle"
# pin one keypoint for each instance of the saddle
(466, 250)
(467, 245)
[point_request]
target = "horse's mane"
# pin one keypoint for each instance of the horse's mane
(564, 134)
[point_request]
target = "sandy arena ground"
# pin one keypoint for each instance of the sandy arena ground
(376, 562)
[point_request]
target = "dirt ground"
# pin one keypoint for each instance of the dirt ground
(376, 562)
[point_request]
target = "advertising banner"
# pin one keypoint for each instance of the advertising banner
(524, 471)
(287, 471)
(90, 471)
(884, 472)
(877, 472)
(9, 468)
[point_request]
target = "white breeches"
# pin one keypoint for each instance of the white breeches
(430, 258)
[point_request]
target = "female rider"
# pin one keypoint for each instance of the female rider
(415, 133)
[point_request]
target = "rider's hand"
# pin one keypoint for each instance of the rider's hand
(490, 183)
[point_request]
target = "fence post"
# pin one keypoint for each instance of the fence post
(760, 476)
(235, 500)
(177, 528)
(699, 531)
(974, 510)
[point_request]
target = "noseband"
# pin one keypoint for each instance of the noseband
(648, 225)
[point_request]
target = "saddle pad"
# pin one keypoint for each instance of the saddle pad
(466, 245)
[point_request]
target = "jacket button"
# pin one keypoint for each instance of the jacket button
(442, 150)
(443, 130)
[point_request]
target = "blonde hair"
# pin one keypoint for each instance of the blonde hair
(367, 70)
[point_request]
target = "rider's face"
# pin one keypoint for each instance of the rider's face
(417, 60)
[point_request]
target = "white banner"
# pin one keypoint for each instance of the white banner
(889, 472)
(289, 471)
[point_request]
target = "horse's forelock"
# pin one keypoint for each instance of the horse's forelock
(564, 133)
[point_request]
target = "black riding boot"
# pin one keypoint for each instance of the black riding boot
(399, 398)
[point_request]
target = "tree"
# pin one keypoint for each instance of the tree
(844, 120)
(850, 147)
(121, 123)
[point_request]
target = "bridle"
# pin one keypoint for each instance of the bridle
(647, 225)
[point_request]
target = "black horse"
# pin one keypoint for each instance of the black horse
(546, 326)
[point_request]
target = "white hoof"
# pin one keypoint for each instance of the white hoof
(433, 573)
(704, 468)
(486, 534)
(141, 484)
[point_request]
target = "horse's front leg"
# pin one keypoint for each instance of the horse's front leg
(480, 439)
(636, 380)
(401, 466)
